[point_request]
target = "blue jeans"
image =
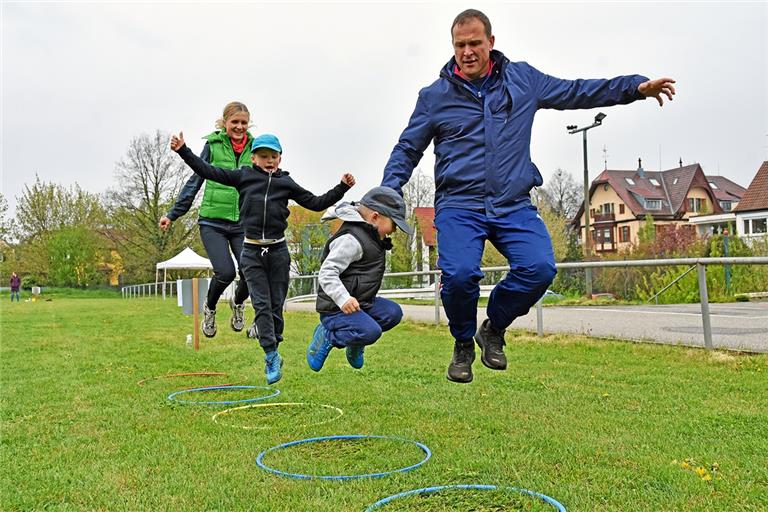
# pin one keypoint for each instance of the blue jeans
(16, 293)
(363, 327)
(521, 237)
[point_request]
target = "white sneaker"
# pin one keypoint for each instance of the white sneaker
(237, 322)
(253, 331)
(209, 322)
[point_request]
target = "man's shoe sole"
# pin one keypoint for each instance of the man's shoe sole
(460, 381)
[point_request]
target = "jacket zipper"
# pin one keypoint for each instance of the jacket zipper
(264, 221)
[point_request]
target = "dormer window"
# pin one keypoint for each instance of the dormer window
(726, 206)
(630, 181)
(653, 204)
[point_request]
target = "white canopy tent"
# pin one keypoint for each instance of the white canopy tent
(185, 260)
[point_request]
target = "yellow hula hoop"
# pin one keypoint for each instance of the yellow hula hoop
(276, 404)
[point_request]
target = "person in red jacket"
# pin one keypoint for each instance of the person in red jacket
(15, 286)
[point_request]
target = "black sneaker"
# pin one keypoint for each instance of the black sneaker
(460, 369)
(491, 344)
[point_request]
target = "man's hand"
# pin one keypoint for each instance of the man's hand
(351, 306)
(656, 88)
(348, 179)
(164, 223)
(177, 141)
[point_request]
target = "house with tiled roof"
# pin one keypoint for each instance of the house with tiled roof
(620, 201)
(752, 210)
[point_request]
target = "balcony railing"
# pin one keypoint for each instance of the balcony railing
(604, 217)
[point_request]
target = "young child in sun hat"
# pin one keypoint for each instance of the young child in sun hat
(353, 262)
(265, 190)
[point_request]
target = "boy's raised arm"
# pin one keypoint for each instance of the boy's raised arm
(315, 203)
(203, 168)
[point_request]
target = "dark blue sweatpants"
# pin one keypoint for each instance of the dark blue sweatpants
(520, 236)
(363, 327)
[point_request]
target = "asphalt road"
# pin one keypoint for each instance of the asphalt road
(735, 326)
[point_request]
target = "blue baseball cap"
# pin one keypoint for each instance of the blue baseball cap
(266, 140)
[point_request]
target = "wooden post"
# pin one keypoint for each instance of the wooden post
(195, 313)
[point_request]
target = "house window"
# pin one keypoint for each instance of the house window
(653, 204)
(758, 226)
(621, 208)
(606, 208)
(630, 181)
(624, 234)
(696, 204)
(607, 236)
(726, 206)
(654, 182)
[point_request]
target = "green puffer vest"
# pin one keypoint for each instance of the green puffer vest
(221, 201)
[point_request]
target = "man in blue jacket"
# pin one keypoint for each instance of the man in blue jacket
(479, 114)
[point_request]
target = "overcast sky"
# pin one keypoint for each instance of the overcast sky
(337, 82)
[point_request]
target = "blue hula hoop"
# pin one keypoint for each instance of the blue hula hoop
(172, 396)
(260, 458)
(427, 490)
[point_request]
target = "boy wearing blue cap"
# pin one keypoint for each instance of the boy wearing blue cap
(353, 262)
(265, 190)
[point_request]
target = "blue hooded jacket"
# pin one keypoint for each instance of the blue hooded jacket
(482, 136)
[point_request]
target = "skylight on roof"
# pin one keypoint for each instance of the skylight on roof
(712, 184)
(630, 181)
(654, 182)
(674, 182)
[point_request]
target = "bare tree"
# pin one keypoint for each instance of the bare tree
(150, 177)
(562, 193)
(6, 224)
(419, 191)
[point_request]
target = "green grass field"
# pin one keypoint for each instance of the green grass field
(595, 424)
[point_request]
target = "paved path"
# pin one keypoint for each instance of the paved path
(735, 326)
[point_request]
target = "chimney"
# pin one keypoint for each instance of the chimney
(681, 162)
(640, 170)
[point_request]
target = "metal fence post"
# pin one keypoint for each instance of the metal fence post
(701, 269)
(540, 318)
(437, 299)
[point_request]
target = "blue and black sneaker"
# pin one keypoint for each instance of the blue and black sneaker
(274, 367)
(355, 356)
(319, 348)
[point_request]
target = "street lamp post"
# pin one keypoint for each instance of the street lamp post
(572, 128)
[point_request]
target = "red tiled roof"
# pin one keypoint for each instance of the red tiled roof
(726, 189)
(756, 196)
(425, 219)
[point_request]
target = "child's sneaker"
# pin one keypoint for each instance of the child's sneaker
(274, 367)
(237, 322)
(209, 322)
(319, 348)
(355, 356)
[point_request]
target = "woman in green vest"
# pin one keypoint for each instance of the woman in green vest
(228, 147)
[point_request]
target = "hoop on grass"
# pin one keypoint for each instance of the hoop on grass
(429, 490)
(172, 396)
(275, 404)
(260, 458)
